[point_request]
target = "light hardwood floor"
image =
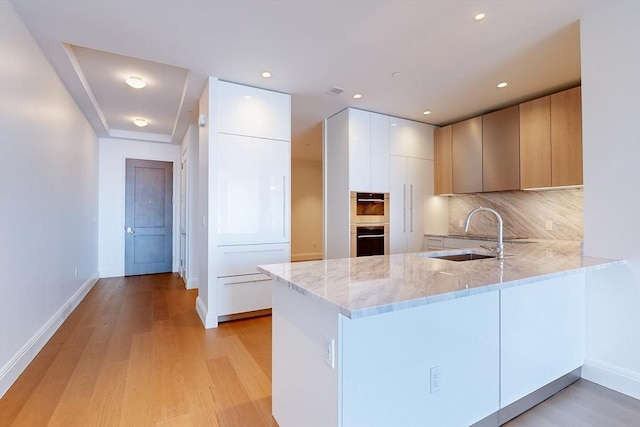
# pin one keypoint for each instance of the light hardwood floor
(134, 353)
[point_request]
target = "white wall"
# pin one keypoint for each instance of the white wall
(306, 210)
(190, 154)
(206, 303)
(610, 51)
(48, 200)
(113, 155)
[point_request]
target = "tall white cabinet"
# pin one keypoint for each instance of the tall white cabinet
(248, 198)
(411, 177)
(371, 152)
(356, 158)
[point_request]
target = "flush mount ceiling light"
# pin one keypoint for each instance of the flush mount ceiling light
(479, 16)
(357, 96)
(426, 112)
(503, 84)
(266, 74)
(140, 122)
(135, 82)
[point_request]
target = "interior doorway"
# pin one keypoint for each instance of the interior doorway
(148, 217)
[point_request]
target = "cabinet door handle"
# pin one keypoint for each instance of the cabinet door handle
(284, 207)
(404, 208)
(252, 252)
(411, 208)
(246, 281)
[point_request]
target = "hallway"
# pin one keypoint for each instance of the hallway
(134, 353)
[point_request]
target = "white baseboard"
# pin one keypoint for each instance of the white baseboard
(193, 283)
(310, 256)
(208, 321)
(620, 380)
(19, 362)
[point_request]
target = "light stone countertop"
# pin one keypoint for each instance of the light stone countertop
(365, 286)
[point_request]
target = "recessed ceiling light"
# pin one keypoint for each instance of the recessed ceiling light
(266, 74)
(140, 122)
(502, 84)
(479, 17)
(247, 97)
(357, 96)
(426, 113)
(136, 82)
(394, 124)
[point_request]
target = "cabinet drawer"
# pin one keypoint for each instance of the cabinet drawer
(240, 294)
(434, 243)
(453, 243)
(240, 260)
(250, 111)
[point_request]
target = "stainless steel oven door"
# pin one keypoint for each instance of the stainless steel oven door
(370, 240)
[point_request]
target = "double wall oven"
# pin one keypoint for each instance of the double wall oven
(369, 224)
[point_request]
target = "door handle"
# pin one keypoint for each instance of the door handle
(129, 230)
(404, 208)
(411, 208)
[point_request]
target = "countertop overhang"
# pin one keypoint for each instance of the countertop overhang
(366, 286)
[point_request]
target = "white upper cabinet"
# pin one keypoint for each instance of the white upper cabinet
(379, 153)
(365, 137)
(250, 111)
(410, 139)
(253, 190)
(359, 150)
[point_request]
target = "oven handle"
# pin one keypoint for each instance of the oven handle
(371, 236)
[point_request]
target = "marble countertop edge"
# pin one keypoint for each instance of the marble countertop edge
(546, 269)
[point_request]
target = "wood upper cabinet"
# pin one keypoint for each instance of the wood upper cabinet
(551, 140)
(535, 143)
(501, 150)
(466, 148)
(566, 137)
(443, 160)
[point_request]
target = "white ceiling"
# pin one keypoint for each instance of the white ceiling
(447, 62)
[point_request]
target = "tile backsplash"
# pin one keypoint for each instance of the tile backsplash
(525, 213)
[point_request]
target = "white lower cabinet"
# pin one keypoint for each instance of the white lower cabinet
(411, 181)
(241, 288)
(382, 364)
(454, 243)
(434, 243)
(239, 260)
(489, 349)
(542, 334)
(241, 294)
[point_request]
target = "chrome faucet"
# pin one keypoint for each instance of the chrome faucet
(499, 245)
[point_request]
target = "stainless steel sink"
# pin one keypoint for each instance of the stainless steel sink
(467, 255)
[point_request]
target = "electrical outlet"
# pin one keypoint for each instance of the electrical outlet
(548, 225)
(460, 223)
(436, 379)
(329, 350)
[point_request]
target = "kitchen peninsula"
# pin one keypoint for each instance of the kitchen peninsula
(408, 339)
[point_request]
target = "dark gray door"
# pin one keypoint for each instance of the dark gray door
(148, 217)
